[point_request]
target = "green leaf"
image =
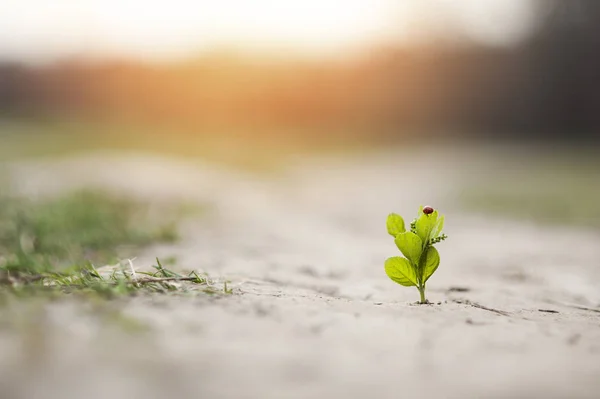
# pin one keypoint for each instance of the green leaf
(395, 224)
(439, 226)
(410, 245)
(400, 271)
(429, 262)
(425, 225)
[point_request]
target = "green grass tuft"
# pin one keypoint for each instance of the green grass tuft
(52, 245)
(40, 236)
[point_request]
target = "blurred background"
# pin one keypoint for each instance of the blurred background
(379, 70)
(249, 83)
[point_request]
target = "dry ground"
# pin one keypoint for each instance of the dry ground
(313, 314)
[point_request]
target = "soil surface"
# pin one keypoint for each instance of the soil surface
(515, 306)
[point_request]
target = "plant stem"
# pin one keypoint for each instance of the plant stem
(422, 292)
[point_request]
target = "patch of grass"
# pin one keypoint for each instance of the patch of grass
(43, 235)
(100, 294)
(109, 281)
(51, 246)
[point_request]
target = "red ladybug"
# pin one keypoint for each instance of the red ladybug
(427, 210)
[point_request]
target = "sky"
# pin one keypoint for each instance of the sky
(41, 30)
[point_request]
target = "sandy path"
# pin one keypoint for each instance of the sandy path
(314, 315)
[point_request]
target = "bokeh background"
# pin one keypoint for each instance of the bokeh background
(249, 83)
(383, 69)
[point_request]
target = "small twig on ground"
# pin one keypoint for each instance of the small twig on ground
(146, 280)
(133, 275)
(143, 280)
(150, 280)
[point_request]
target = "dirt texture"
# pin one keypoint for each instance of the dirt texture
(515, 306)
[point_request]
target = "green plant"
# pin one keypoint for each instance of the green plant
(52, 233)
(50, 246)
(422, 258)
(107, 281)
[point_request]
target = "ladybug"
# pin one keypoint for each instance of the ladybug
(427, 210)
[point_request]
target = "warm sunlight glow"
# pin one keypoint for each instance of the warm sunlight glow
(41, 29)
(171, 27)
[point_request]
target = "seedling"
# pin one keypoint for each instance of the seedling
(422, 258)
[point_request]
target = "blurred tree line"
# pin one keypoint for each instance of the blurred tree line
(546, 87)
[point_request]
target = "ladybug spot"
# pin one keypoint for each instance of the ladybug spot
(427, 210)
